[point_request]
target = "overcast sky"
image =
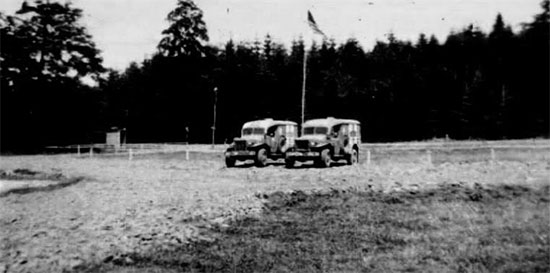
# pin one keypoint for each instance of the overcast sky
(129, 30)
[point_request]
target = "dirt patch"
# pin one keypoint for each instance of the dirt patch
(26, 174)
(23, 181)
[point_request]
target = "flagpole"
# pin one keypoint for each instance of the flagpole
(304, 72)
(316, 30)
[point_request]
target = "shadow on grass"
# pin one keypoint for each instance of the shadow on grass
(314, 165)
(250, 164)
(452, 228)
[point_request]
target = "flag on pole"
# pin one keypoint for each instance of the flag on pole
(314, 25)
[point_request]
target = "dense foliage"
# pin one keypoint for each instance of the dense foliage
(472, 85)
(45, 56)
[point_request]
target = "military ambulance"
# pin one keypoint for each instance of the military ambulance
(326, 140)
(261, 140)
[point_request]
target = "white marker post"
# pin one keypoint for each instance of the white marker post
(187, 151)
(368, 157)
(91, 151)
(130, 154)
(429, 155)
(78, 150)
(493, 155)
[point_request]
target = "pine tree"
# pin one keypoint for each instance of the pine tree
(187, 34)
(44, 41)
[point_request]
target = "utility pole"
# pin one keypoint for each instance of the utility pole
(304, 72)
(214, 122)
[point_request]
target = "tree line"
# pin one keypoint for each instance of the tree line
(471, 85)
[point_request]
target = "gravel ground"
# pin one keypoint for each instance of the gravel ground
(127, 206)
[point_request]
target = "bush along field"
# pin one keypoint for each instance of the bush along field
(449, 228)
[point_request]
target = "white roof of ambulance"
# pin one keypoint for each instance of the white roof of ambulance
(328, 122)
(265, 123)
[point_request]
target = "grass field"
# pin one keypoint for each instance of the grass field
(462, 208)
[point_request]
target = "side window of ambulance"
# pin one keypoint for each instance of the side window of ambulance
(345, 129)
(291, 130)
(353, 131)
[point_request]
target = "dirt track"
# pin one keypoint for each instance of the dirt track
(163, 201)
